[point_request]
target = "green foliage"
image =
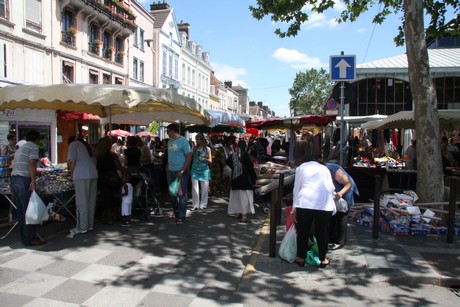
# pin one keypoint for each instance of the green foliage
(293, 13)
(309, 92)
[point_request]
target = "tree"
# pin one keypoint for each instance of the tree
(430, 176)
(309, 92)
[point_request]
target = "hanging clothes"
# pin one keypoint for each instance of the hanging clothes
(394, 137)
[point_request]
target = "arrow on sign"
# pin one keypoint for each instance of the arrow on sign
(343, 65)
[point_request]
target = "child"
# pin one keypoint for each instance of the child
(127, 200)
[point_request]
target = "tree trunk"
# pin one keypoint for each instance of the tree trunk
(430, 185)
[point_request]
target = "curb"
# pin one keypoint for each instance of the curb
(250, 266)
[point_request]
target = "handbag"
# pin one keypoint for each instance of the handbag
(288, 247)
(36, 212)
(174, 187)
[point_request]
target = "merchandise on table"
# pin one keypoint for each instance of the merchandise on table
(54, 181)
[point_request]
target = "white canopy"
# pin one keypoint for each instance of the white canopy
(105, 100)
(448, 120)
(225, 118)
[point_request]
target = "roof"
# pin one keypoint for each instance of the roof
(160, 17)
(439, 58)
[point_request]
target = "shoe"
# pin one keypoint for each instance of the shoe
(324, 263)
(299, 262)
(246, 220)
(36, 242)
(334, 246)
(75, 231)
(194, 209)
(202, 208)
(179, 222)
(126, 223)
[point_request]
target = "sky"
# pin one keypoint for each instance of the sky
(247, 52)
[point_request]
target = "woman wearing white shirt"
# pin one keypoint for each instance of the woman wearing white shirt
(313, 204)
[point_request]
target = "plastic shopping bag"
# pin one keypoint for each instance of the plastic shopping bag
(312, 254)
(174, 187)
(37, 211)
(288, 247)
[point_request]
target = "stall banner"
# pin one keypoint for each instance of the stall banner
(153, 127)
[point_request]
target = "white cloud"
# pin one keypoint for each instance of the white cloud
(361, 30)
(316, 20)
(297, 59)
(226, 72)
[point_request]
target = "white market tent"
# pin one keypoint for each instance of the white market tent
(448, 120)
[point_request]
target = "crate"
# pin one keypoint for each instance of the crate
(440, 230)
(398, 230)
(419, 232)
(384, 226)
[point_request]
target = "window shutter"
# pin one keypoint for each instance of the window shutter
(34, 11)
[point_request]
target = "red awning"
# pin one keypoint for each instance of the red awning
(77, 116)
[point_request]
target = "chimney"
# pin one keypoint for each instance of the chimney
(184, 27)
(228, 84)
(159, 6)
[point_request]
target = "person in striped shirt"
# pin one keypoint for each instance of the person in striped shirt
(23, 183)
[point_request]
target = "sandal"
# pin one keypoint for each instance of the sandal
(324, 263)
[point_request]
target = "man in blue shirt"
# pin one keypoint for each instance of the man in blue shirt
(345, 186)
(179, 159)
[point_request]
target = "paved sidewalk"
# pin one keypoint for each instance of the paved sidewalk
(213, 260)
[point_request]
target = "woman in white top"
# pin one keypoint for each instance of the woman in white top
(313, 203)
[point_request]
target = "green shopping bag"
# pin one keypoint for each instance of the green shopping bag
(313, 254)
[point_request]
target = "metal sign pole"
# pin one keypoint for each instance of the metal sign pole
(342, 122)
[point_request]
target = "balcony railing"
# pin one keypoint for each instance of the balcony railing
(119, 58)
(68, 38)
(124, 18)
(107, 54)
(94, 48)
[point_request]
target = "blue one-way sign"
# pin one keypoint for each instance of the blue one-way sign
(342, 67)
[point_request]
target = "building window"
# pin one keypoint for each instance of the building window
(118, 81)
(93, 77)
(193, 77)
(141, 39)
(94, 41)
(4, 11)
(183, 73)
(176, 68)
(141, 71)
(135, 75)
(106, 79)
(165, 63)
(34, 15)
(136, 39)
(3, 62)
(67, 72)
(68, 28)
(170, 67)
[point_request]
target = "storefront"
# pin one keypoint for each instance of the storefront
(70, 124)
(19, 122)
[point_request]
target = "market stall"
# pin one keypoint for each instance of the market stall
(55, 188)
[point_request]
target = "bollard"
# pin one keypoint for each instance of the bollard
(272, 241)
(375, 227)
(279, 200)
(275, 215)
(452, 205)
